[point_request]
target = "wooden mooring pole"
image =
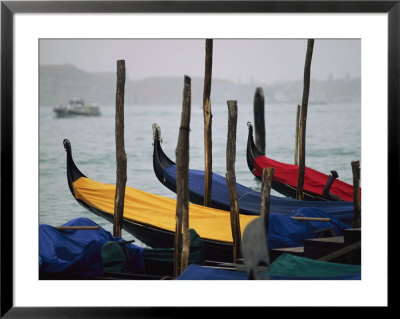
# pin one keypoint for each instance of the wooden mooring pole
(355, 165)
(303, 119)
(207, 124)
(296, 145)
(231, 178)
(268, 173)
(259, 119)
(182, 242)
(120, 150)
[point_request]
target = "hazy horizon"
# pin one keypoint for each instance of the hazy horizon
(265, 61)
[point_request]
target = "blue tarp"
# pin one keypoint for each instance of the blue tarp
(285, 267)
(283, 231)
(249, 199)
(78, 252)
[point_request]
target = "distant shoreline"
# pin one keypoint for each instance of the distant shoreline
(58, 83)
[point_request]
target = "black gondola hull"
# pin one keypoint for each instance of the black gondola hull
(287, 190)
(149, 235)
(161, 162)
(158, 238)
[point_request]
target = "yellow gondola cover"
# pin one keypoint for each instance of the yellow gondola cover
(158, 211)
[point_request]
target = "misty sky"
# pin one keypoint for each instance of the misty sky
(258, 60)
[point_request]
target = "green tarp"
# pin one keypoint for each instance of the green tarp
(161, 260)
(157, 261)
(290, 265)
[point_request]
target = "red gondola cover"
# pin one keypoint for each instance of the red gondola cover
(314, 181)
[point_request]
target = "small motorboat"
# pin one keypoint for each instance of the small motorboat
(77, 106)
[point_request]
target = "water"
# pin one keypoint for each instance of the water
(333, 138)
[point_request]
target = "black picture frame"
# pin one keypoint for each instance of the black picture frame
(9, 8)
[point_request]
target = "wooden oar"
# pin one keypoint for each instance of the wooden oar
(78, 227)
(341, 252)
(317, 219)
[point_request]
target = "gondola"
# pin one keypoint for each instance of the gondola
(317, 186)
(285, 267)
(81, 249)
(151, 218)
(249, 199)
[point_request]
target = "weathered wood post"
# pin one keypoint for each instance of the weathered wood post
(303, 119)
(207, 124)
(120, 150)
(182, 243)
(296, 145)
(355, 165)
(259, 119)
(268, 173)
(231, 178)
